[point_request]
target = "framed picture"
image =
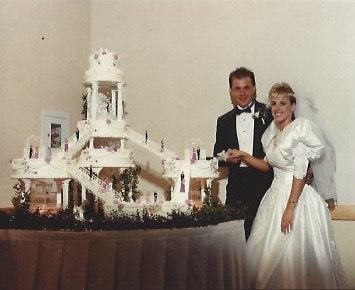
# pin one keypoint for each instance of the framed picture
(55, 129)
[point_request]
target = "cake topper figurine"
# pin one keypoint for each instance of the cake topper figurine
(182, 181)
(66, 145)
(194, 156)
(31, 152)
(162, 146)
(36, 152)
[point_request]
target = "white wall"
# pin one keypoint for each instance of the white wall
(38, 73)
(176, 56)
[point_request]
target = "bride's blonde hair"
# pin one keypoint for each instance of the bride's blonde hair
(282, 90)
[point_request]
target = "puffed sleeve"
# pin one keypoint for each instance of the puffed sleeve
(303, 146)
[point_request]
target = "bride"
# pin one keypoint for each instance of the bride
(292, 245)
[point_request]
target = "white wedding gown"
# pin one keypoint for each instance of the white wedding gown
(307, 257)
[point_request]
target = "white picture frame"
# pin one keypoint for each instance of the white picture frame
(55, 129)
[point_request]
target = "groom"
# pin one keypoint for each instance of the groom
(242, 128)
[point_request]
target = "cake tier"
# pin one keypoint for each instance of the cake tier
(198, 169)
(103, 67)
(38, 168)
(104, 128)
(106, 157)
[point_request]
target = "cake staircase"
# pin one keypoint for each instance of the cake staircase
(150, 145)
(76, 145)
(94, 184)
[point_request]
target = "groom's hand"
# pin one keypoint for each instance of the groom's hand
(331, 203)
(233, 156)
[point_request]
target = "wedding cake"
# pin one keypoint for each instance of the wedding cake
(97, 153)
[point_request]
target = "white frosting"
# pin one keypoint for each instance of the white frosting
(103, 67)
(106, 157)
(198, 169)
(104, 128)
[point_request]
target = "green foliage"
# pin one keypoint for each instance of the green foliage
(21, 201)
(210, 200)
(68, 221)
(129, 182)
(211, 213)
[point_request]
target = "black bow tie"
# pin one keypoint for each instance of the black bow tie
(245, 110)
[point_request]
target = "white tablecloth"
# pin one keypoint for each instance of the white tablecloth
(195, 258)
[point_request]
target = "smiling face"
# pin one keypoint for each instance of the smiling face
(282, 110)
(242, 92)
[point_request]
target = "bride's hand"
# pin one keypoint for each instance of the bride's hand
(287, 220)
(234, 155)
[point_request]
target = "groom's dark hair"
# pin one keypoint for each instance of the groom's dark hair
(240, 73)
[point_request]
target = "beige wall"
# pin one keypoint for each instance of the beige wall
(176, 56)
(38, 74)
(345, 235)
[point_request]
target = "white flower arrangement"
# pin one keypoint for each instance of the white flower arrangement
(260, 114)
(222, 156)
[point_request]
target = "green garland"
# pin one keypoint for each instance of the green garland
(211, 213)
(68, 221)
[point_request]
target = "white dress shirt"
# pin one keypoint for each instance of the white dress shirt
(245, 131)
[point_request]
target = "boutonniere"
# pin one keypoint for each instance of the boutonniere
(261, 114)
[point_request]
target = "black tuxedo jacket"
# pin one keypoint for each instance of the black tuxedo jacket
(226, 133)
(243, 186)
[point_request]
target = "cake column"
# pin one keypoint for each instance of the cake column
(203, 185)
(94, 94)
(59, 199)
(58, 183)
(83, 193)
(88, 103)
(65, 187)
(122, 144)
(120, 112)
(114, 102)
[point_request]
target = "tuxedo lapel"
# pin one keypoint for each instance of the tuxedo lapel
(234, 130)
(259, 128)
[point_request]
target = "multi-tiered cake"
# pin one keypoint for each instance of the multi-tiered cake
(96, 153)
